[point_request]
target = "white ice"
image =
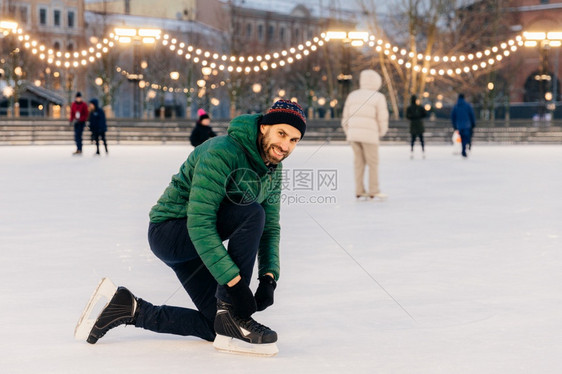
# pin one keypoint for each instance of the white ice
(459, 271)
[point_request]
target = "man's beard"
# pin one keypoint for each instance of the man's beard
(267, 148)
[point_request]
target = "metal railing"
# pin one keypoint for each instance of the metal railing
(127, 131)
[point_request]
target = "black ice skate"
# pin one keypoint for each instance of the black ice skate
(120, 308)
(237, 335)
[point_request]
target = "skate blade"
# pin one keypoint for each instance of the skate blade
(105, 290)
(366, 197)
(236, 346)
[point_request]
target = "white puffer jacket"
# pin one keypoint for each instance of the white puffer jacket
(365, 113)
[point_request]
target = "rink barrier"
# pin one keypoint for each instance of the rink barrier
(128, 131)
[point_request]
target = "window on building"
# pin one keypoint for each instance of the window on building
(127, 7)
(23, 14)
(43, 16)
(70, 47)
(282, 34)
(71, 19)
(260, 32)
(56, 46)
(270, 32)
(545, 1)
(249, 30)
(56, 18)
(297, 34)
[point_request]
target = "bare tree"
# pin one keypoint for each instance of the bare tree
(435, 28)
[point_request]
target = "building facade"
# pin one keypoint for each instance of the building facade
(539, 68)
(257, 31)
(57, 24)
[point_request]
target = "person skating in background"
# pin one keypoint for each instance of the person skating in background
(202, 130)
(228, 189)
(365, 121)
(78, 117)
(98, 125)
(463, 120)
(416, 113)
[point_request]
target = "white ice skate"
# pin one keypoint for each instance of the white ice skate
(232, 345)
(101, 296)
(368, 197)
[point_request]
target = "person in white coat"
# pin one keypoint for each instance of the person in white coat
(365, 121)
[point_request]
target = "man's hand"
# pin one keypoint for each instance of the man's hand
(264, 293)
(243, 302)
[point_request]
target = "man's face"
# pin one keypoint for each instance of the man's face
(206, 121)
(78, 99)
(91, 107)
(277, 142)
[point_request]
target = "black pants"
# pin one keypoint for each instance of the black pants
(96, 136)
(466, 139)
(78, 130)
(170, 242)
(414, 136)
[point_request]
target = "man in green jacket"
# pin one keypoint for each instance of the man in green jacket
(227, 189)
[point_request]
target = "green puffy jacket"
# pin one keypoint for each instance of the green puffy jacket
(225, 169)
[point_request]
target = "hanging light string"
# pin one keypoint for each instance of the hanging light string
(248, 64)
(239, 64)
(468, 62)
(67, 59)
(166, 88)
(462, 63)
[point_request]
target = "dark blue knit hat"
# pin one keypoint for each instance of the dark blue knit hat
(285, 111)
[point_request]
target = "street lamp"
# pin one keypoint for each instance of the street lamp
(6, 27)
(545, 41)
(8, 91)
(136, 37)
(202, 84)
(256, 89)
(354, 39)
(206, 70)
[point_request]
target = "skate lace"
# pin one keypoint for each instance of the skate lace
(251, 324)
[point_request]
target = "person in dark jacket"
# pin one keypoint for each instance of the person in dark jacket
(463, 120)
(228, 189)
(78, 117)
(416, 113)
(98, 125)
(202, 130)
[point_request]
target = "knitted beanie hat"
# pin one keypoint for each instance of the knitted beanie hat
(202, 114)
(285, 111)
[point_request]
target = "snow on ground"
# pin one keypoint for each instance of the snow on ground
(457, 272)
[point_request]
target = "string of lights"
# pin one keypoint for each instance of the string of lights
(428, 64)
(469, 62)
(239, 64)
(167, 88)
(60, 59)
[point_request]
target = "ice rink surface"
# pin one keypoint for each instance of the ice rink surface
(459, 271)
